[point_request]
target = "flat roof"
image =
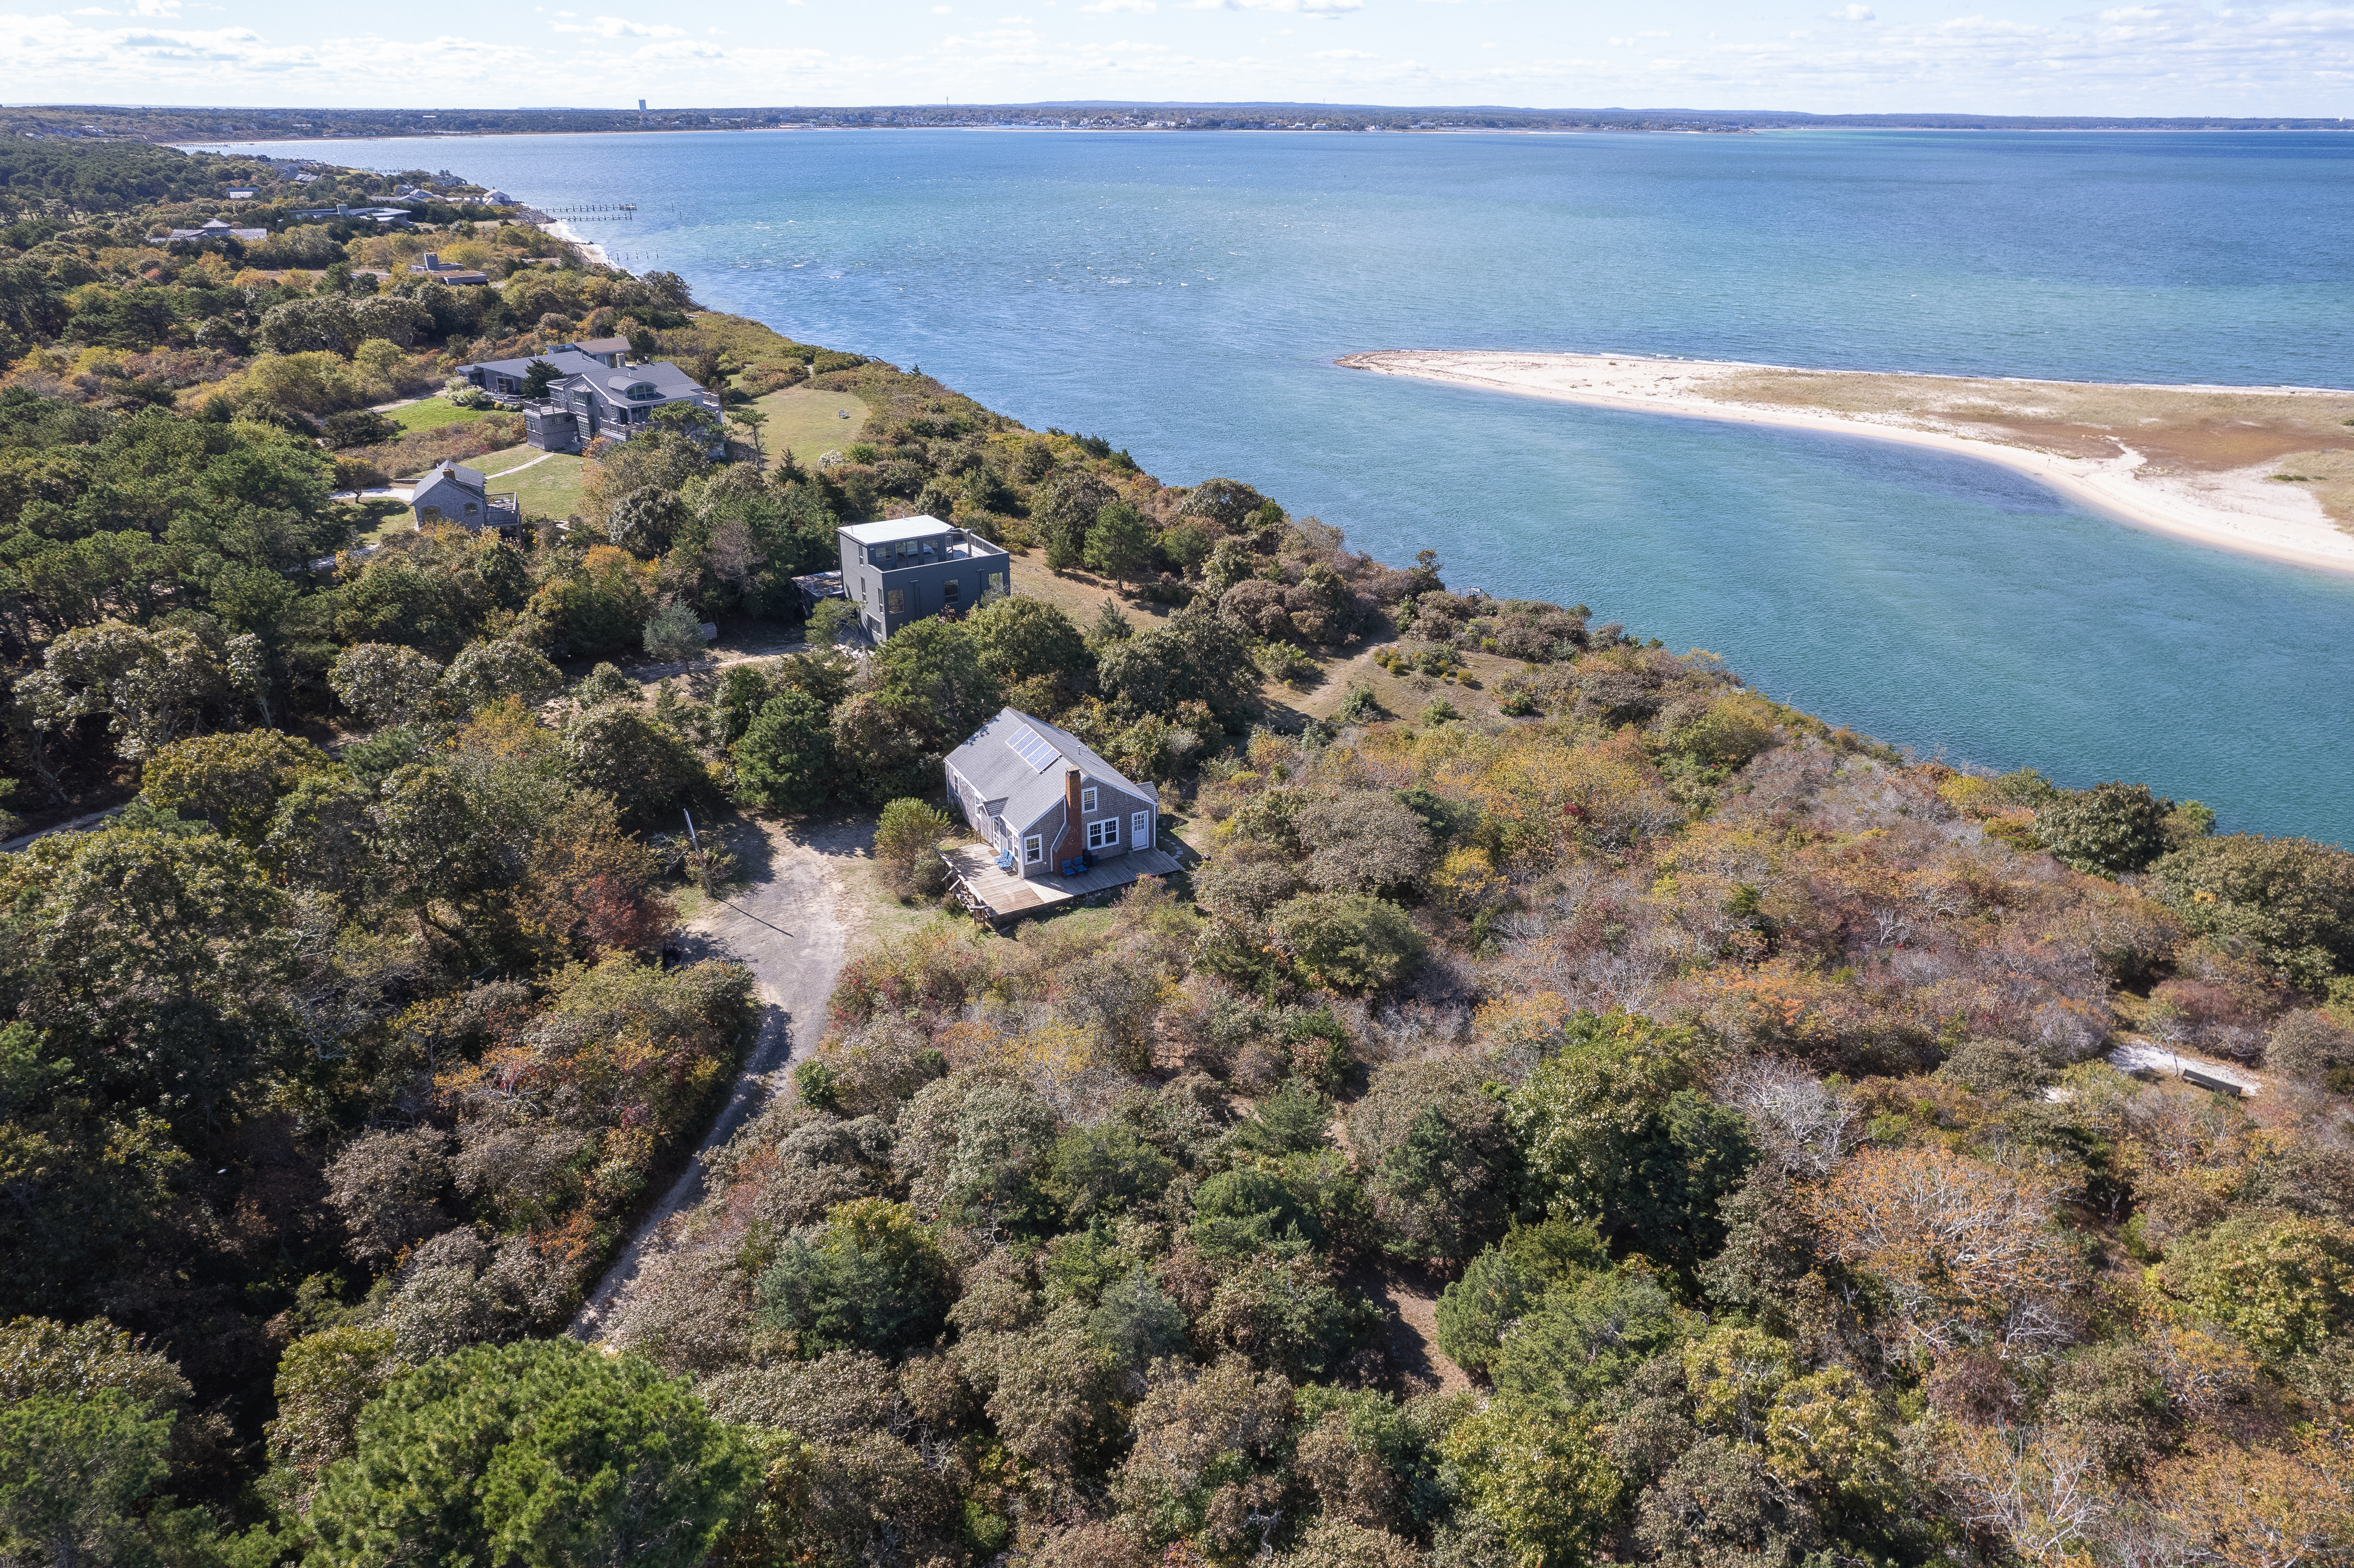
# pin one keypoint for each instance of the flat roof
(895, 529)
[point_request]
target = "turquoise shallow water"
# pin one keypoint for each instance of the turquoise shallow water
(1186, 294)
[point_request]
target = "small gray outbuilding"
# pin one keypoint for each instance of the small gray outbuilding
(455, 493)
(1043, 799)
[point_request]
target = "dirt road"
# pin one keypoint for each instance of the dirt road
(786, 922)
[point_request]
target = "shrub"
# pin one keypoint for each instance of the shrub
(832, 619)
(1611, 1134)
(674, 634)
(1348, 941)
(2292, 898)
(906, 841)
(2309, 1045)
(2108, 829)
(624, 752)
(1495, 1292)
(547, 1451)
(233, 781)
(2283, 1285)
(872, 1279)
(1437, 1156)
(1101, 1170)
(784, 759)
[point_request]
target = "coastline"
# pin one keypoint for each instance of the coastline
(2234, 508)
(590, 248)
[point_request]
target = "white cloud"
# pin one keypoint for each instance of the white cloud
(1108, 7)
(2148, 56)
(1304, 7)
(623, 27)
(1343, 55)
(1854, 14)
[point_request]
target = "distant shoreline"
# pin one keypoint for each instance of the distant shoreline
(202, 143)
(2197, 462)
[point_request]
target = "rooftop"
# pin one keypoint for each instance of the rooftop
(892, 530)
(1016, 761)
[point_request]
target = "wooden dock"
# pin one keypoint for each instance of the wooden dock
(997, 898)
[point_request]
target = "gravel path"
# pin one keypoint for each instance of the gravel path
(785, 921)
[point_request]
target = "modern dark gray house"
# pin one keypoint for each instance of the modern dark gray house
(899, 571)
(1044, 800)
(593, 397)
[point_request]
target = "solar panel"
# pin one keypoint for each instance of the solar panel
(1032, 748)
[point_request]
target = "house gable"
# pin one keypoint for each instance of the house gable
(1012, 779)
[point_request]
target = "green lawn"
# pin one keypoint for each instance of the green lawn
(810, 422)
(549, 488)
(432, 414)
(398, 522)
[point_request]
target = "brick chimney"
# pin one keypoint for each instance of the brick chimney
(1075, 836)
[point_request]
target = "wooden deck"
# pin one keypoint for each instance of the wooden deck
(998, 898)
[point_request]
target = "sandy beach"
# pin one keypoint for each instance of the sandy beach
(589, 247)
(2266, 471)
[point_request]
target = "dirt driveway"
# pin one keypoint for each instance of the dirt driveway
(786, 921)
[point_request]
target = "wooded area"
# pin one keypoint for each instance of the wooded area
(1632, 1122)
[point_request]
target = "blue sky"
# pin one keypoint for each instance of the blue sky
(2025, 57)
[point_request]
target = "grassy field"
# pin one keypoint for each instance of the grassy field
(808, 422)
(432, 414)
(398, 522)
(548, 489)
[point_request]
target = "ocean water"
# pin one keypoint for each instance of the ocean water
(1185, 295)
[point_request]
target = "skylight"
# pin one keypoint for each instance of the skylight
(1032, 748)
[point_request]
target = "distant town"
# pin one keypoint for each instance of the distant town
(124, 122)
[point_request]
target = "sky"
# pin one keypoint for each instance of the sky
(2011, 56)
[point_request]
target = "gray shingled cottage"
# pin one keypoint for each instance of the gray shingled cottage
(1044, 800)
(455, 493)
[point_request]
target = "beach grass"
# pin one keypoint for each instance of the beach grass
(2178, 429)
(808, 422)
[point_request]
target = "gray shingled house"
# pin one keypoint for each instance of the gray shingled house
(1044, 800)
(454, 493)
(592, 398)
(905, 568)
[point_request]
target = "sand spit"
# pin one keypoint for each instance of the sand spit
(2200, 463)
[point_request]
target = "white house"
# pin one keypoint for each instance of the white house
(1044, 800)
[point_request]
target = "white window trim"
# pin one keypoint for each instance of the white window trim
(1034, 849)
(1104, 834)
(1140, 830)
(1087, 798)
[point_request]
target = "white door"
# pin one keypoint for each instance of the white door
(1139, 831)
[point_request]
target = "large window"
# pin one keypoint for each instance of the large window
(1103, 835)
(894, 601)
(1034, 849)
